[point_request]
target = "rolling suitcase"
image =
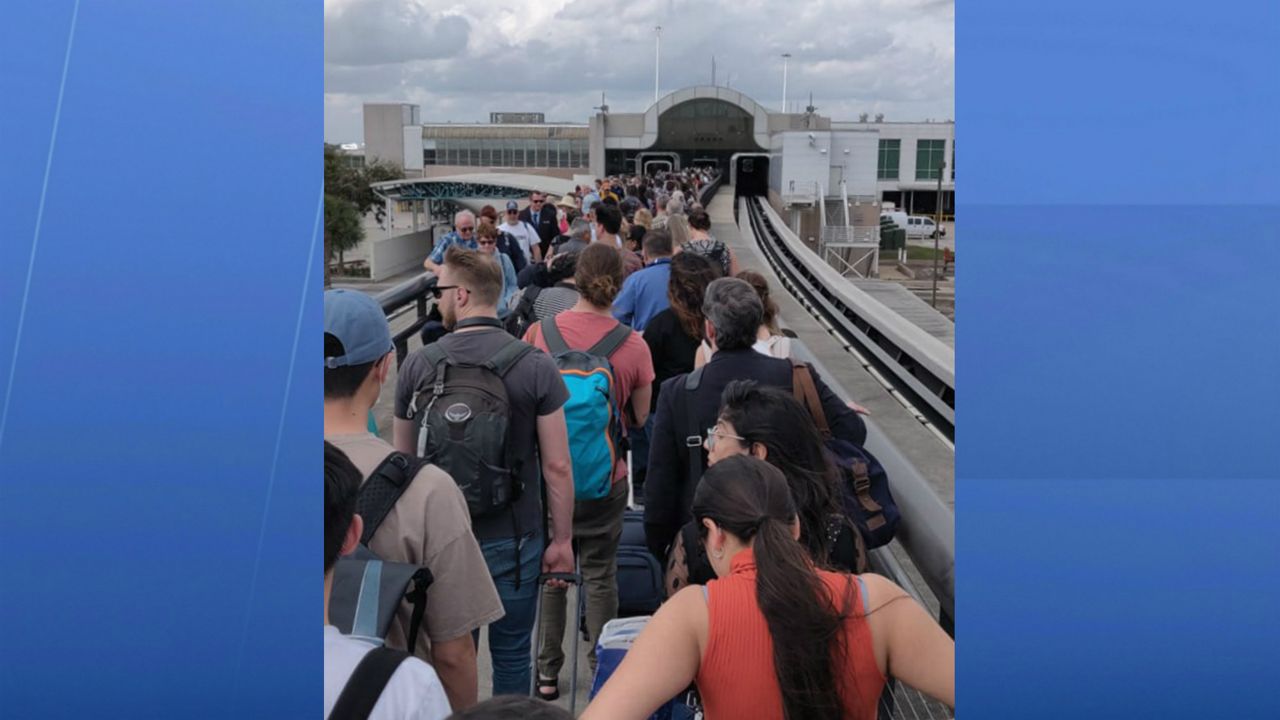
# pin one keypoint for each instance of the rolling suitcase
(641, 586)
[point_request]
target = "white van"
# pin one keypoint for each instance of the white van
(919, 226)
(898, 217)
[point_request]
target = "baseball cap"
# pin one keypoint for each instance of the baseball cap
(359, 324)
(513, 205)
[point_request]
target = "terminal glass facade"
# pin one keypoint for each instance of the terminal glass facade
(929, 158)
(706, 124)
(544, 152)
(890, 156)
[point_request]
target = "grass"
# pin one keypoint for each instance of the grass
(920, 253)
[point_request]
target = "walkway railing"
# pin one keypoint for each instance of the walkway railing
(395, 301)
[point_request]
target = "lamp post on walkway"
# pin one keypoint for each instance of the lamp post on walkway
(657, 54)
(785, 58)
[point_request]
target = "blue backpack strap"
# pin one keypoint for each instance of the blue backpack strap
(553, 338)
(866, 598)
(693, 439)
(610, 343)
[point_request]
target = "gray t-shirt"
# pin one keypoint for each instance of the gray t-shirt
(534, 388)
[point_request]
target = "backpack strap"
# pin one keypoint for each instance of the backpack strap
(506, 358)
(804, 390)
(862, 489)
(693, 441)
(366, 684)
(552, 337)
(382, 490)
(612, 340)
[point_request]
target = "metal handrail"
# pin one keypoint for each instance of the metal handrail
(414, 291)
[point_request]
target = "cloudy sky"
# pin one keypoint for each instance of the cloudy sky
(460, 61)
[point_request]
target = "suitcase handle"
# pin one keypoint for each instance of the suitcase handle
(571, 578)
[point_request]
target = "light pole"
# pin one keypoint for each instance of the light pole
(657, 54)
(785, 58)
(937, 233)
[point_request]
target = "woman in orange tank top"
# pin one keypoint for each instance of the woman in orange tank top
(773, 637)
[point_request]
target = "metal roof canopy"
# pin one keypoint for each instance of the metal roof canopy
(474, 185)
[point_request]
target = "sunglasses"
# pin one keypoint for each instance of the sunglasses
(487, 242)
(536, 202)
(466, 228)
(438, 290)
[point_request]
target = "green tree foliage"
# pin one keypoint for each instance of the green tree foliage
(348, 197)
(342, 228)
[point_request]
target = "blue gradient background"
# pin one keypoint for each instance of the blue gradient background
(162, 442)
(1118, 463)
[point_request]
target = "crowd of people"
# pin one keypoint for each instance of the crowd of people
(569, 332)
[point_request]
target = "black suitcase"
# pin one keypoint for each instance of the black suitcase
(640, 578)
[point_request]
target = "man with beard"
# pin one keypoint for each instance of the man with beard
(511, 536)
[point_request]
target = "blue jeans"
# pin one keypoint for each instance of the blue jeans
(510, 637)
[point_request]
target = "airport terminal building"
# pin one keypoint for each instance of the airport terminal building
(788, 156)
(828, 179)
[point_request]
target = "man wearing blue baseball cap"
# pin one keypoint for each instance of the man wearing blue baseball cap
(429, 525)
(526, 235)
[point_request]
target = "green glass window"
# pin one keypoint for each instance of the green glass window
(890, 153)
(929, 158)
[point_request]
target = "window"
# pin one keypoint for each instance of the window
(429, 157)
(929, 158)
(890, 153)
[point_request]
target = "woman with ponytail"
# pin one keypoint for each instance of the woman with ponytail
(770, 424)
(597, 524)
(774, 637)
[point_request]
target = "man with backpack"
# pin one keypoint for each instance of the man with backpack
(428, 524)
(688, 404)
(487, 408)
(609, 373)
(362, 680)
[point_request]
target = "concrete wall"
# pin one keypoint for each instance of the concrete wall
(802, 163)
(412, 148)
(595, 144)
(384, 131)
(390, 256)
(859, 163)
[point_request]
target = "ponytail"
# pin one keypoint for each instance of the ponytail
(749, 499)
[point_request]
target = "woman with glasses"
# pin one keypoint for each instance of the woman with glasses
(768, 423)
(775, 636)
(487, 239)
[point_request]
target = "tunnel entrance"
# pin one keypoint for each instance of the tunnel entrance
(751, 176)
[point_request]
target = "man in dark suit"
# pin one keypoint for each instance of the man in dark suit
(543, 219)
(733, 314)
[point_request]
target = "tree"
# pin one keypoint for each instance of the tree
(353, 184)
(342, 229)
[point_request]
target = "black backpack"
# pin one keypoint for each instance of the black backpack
(518, 322)
(367, 590)
(867, 499)
(463, 426)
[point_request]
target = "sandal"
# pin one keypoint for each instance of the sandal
(543, 684)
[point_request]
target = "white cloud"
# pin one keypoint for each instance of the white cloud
(462, 61)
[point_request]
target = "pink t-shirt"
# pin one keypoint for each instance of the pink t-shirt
(632, 364)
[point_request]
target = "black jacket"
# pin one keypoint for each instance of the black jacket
(668, 492)
(548, 225)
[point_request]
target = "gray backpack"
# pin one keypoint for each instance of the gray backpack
(463, 421)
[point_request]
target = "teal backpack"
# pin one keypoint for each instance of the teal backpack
(592, 414)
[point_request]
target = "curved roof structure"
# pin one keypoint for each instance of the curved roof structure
(670, 100)
(471, 186)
